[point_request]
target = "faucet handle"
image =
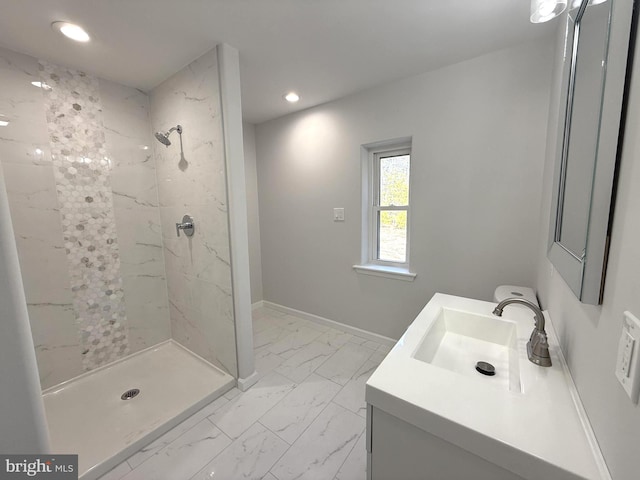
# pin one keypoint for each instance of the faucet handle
(538, 348)
(186, 225)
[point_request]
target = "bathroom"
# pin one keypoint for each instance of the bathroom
(263, 327)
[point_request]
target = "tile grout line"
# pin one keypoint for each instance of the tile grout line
(350, 452)
(219, 453)
(283, 398)
(297, 438)
(172, 441)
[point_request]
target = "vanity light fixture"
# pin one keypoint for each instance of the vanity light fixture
(545, 10)
(72, 31)
(292, 97)
(576, 3)
(42, 85)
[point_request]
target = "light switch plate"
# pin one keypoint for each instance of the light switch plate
(627, 364)
(338, 214)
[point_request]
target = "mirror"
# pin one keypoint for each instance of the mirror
(591, 28)
(594, 72)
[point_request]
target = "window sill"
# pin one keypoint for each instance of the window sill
(388, 272)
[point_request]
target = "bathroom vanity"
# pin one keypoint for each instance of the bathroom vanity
(432, 415)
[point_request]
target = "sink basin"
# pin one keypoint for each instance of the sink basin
(458, 340)
(526, 419)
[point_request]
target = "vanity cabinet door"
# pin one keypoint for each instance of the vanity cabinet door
(401, 451)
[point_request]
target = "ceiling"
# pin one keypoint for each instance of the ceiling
(323, 49)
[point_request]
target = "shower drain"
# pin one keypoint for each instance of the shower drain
(129, 394)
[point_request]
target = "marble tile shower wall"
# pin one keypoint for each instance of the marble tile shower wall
(81, 169)
(135, 201)
(31, 188)
(88, 232)
(198, 268)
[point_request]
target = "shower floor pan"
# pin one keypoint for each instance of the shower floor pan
(87, 415)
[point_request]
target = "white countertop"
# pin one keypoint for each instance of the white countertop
(541, 432)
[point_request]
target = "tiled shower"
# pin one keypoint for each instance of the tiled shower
(94, 200)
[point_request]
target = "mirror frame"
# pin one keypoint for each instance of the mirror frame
(585, 274)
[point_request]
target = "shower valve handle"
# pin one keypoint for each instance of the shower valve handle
(186, 226)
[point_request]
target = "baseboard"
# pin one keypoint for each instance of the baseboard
(245, 384)
(332, 323)
(257, 305)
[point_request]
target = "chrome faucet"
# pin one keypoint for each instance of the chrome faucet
(537, 346)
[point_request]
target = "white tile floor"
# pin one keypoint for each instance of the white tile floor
(304, 419)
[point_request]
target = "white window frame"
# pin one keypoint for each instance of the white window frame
(370, 264)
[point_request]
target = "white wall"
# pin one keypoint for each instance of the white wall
(253, 213)
(478, 131)
(590, 334)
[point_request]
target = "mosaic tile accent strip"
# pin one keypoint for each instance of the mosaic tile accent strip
(82, 174)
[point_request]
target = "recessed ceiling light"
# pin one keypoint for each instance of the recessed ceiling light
(42, 85)
(4, 121)
(292, 97)
(72, 31)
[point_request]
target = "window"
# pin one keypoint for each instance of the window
(386, 209)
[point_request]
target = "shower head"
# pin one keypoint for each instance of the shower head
(164, 137)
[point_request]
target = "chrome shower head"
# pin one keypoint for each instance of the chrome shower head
(164, 137)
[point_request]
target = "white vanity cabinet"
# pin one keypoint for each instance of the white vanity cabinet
(432, 416)
(397, 450)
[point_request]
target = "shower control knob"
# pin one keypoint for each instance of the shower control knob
(186, 226)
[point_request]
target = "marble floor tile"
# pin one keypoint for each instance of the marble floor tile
(355, 466)
(231, 394)
(344, 363)
(117, 473)
(242, 411)
(157, 445)
(291, 322)
(303, 419)
(305, 361)
(310, 324)
(183, 457)
(265, 362)
(268, 321)
(268, 337)
(372, 345)
(321, 450)
(351, 396)
(295, 412)
(292, 343)
(250, 456)
(377, 357)
(334, 338)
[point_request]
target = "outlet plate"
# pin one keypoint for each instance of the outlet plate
(338, 214)
(627, 364)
